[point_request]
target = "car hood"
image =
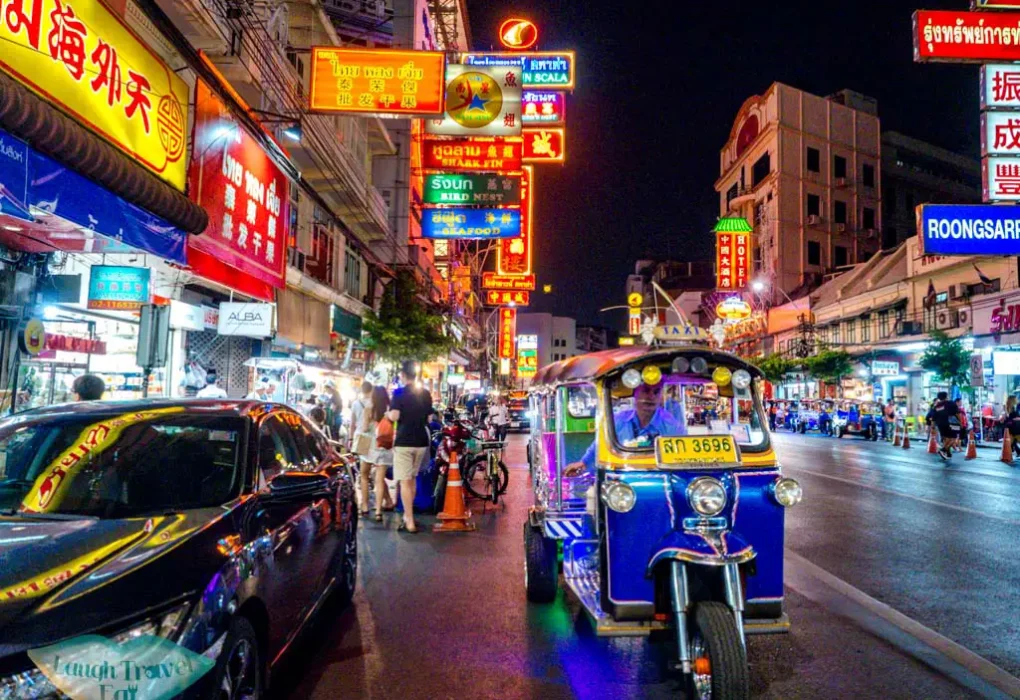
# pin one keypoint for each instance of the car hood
(59, 579)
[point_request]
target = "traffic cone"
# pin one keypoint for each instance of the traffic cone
(906, 439)
(896, 440)
(971, 446)
(1007, 449)
(933, 444)
(455, 516)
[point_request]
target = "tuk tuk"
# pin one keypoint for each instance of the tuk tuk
(861, 420)
(641, 457)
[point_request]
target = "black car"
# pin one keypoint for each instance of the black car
(520, 415)
(220, 525)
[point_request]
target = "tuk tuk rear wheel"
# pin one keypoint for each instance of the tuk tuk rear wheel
(714, 637)
(541, 570)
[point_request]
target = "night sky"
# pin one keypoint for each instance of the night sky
(657, 92)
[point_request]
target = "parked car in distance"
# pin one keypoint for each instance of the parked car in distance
(520, 415)
(220, 525)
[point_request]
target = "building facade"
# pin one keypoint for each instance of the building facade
(557, 335)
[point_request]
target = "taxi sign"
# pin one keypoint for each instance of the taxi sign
(681, 332)
(707, 449)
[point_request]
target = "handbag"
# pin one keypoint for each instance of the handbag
(363, 444)
(384, 434)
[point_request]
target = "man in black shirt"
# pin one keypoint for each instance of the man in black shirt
(944, 415)
(409, 410)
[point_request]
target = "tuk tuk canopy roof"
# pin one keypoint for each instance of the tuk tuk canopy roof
(597, 364)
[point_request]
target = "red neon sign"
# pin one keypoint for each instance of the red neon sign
(491, 280)
(518, 34)
(499, 297)
(544, 145)
(733, 260)
(513, 257)
(472, 153)
(966, 37)
(507, 332)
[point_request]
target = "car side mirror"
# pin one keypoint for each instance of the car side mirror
(298, 486)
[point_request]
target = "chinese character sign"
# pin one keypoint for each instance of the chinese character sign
(507, 331)
(544, 107)
(246, 195)
(733, 260)
(382, 81)
(480, 101)
(472, 154)
(118, 288)
(1000, 85)
(527, 362)
(544, 145)
(79, 55)
(1001, 179)
(470, 223)
(452, 188)
(491, 280)
(498, 297)
(1000, 133)
(960, 36)
(513, 257)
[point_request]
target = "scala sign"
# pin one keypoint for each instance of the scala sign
(377, 80)
(451, 188)
(248, 320)
(544, 107)
(966, 37)
(480, 101)
(470, 223)
(472, 154)
(968, 229)
(544, 145)
(81, 56)
(542, 69)
(491, 280)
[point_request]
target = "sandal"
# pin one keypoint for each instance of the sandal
(378, 517)
(364, 513)
(402, 527)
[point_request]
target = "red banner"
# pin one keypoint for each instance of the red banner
(966, 37)
(499, 297)
(472, 153)
(544, 145)
(507, 332)
(490, 280)
(514, 254)
(247, 198)
(733, 260)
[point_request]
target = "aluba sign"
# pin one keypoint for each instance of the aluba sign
(248, 320)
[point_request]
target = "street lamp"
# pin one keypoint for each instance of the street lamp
(760, 286)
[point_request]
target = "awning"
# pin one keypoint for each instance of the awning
(28, 116)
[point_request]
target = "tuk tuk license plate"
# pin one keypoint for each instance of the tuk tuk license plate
(707, 449)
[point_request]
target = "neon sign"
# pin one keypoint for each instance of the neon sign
(542, 69)
(472, 154)
(544, 145)
(544, 107)
(377, 80)
(513, 257)
(518, 34)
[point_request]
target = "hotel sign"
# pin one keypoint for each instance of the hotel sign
(733, 261)
(472, 154)
(966, 37)
(968, 229)
(453, 188)
(381, 81)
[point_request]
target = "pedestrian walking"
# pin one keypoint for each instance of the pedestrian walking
(1011, 422)
(212, 388)
(945, 416)
(964, 424)
(358, 407)
(889, 420)
(773, 414)
(499, 416)
(334, 408)
(409, 410)
(88, 387)
(380, 457)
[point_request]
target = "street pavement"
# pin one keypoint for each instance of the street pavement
(899, 575)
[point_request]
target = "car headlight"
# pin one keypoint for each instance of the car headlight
(167, 625)
(707, 496)
(618, 496)
(787, 491)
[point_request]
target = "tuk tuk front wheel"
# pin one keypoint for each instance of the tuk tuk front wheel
(718, 658)
(541, 570)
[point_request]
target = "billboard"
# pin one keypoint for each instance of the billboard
(501, 297)
(733, 260)
(460, 222)
(480, 101)
(1000, 85)
(527, 362)
(995, 4)
(1000, 179)
(492, 280)
(119, 288)
(541, 69)
(513, 257)
(544, 107)
(968, 229)
(543, 145)
(472, 154)
(958, 36)
(507, 332)
(382, 81)
(473, 189)
(1000, 133)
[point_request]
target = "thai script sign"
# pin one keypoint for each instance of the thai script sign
(453, 188)
(1000, 133)
(994, 5)
(470, 223)
(541, 69)
(81, 56)
(1000, 85)
(968, 229)
(377, 80)
(498, 297)
(118, 288)
(544, 145)
(491, 280)
(1000, 179)
(507, 332)
(472, 154)
(480, 101)
(544, 107)
(733, 260)
(70, 343)
(884, 368)
(1005, 319)
(968, 37)
(513, 257)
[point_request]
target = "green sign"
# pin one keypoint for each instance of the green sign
(472, 189)
(346, 323)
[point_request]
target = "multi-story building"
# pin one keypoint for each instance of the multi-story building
(557, 335)
(804, 170)
(915, 172)
(594, 339)
(684, 282)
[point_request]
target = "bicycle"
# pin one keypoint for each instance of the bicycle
(494, 476)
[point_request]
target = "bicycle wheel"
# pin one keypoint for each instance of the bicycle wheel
(504, 478)
(476, 481)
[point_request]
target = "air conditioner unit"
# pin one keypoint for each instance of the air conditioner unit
(840, 182)
(814, 220)
(840, 228)
(963, 317)
(946, 319)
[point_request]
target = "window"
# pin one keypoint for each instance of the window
(851, 332)
(868, 218)
(980, 288)
(866, 329)
(839, 166)
(352, 274)
(814, 160)
(760, 170)
(278, 450)
(839, 212)
(732, 192)
(883, 324)
(868, 175)
(814, 205)
(840, 256)
(835, 333)
(814, 253)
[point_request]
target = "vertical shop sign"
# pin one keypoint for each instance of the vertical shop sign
(543, 145)
(513, 257)
(245, 193)
(732, 260)
(507, 332)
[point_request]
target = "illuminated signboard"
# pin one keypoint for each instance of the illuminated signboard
(995, 4)
(544, 145)
(626, 340)
(491, 280)
(733, 309)
(472, 154)
(499, 297)
(504, 366)
(544, 107)
(634, 321)
(733, 261)
(507, 331)
(518, 34)
(969, 229)
(81, 56)
(966, 37)
(542, 69)
(527, 342)
(119, 288)
(1000, 133)
(527, 362)
(480, 101)
(454, 188)
(1000, 179)
(1000, 85)
(470, 223)
(377, 81)
(513, 257)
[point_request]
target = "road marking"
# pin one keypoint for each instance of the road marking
(972, 671)
(962, 509)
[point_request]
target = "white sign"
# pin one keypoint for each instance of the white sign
(248, 320)
(527, 342)
(977, 370)
(212, 317)
(1000, 133)
(186, 317)
(1000, 179)
(1000, 85)
(480, 101)
(880, 368)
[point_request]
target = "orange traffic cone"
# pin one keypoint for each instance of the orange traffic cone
(1007, 449)
(455, 516)
(906, 438)
(933, 444)
(971, 446)
(897, 441)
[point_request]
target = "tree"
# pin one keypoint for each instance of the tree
(947, 359)
(404, 329)
(775, 367)
(829, 366)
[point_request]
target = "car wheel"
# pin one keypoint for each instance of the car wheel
(238, 672)
(720, 662)
(347, 567)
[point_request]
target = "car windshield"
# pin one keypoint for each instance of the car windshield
(685, 404)
(120, 465)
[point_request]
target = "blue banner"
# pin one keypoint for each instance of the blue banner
(30, 179)
(969, 229)
(118, 288)
(462, 222)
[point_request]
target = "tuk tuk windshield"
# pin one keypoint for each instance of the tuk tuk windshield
(684, 404)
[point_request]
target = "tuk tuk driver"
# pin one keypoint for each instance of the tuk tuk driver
(643, 423)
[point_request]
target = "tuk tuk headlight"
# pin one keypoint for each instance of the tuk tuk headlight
(741, 379)
(618, 496)
(787, 492)
(707, 496)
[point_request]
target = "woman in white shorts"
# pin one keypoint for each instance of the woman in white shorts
(378, 458)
